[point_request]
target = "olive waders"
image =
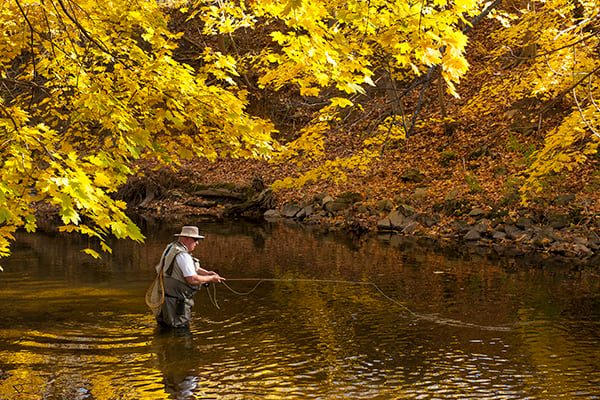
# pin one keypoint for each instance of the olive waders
(176, 310)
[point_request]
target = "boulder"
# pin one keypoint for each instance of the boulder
(410, 227)
(524, 223)
(543, 238)
(472, 235)
(429, 220)
(318, 199)
(570, 249)
(290, 210)
(481, 227)
(384, 224)
(335, 205)
(497, 235)
(412, 175)
(558, 221)
(305, 212)
(272, 214)
(514, 233)
(476, 212)
(405, 210)
(396, 219)
(385, 205)
(350, 197)
(326, 199)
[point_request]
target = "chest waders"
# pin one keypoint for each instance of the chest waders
(176, 310)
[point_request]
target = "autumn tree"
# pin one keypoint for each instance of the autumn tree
(547, 56)
(337, 51)
(88, 89)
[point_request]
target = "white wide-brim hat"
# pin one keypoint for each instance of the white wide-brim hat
(191, 232)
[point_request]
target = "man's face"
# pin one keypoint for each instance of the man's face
(191, 243)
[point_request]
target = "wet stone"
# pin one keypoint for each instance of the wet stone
(543, 238)
(480, 228)
(384, 224)
(429, 220)
(512, 232)
(410, 228)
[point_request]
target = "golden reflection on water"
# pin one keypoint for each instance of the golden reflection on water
(72, 328)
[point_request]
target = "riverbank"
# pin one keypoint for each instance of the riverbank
(198, 192)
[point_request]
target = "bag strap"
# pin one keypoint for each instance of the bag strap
(164, 257)
(170, 269)
(160, 270)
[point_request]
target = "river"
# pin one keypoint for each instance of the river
(305, 315)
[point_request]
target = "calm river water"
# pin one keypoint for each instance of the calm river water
(432, 326)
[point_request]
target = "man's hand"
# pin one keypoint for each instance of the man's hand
(204, 278)
(215, 277)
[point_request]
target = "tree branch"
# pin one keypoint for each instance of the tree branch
(420, 103)
(567, 90)
(88, 36)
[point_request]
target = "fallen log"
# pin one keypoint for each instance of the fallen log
(258, 203)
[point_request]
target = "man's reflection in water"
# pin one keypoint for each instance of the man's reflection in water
(178, 360)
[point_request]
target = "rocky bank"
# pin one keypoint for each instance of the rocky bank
(479, 228)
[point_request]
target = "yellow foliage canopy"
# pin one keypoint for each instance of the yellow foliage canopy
(89, 89)
(338, 49)
(549, 53)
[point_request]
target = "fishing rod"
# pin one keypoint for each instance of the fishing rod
(425, 317)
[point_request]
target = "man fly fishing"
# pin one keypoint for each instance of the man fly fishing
(179, 275)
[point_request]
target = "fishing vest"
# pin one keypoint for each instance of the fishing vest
(177, 307)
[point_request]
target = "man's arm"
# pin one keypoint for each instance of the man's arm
(200, 279)
(189, 269)
(200, 270)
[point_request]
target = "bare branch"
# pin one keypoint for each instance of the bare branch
(420, 103)
(3, 108)
(590, 127)
(31, 40)
(567, 90)
(591, 95)
(549, 52)
(88, 36)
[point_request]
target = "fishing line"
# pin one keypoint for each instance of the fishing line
(213, 296)
(426, 317)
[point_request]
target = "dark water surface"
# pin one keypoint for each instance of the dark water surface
(451, 327)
